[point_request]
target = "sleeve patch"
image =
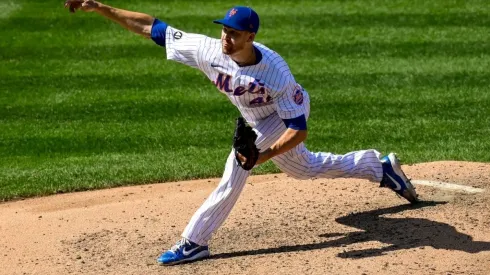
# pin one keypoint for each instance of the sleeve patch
(178, 35)
(298, 96)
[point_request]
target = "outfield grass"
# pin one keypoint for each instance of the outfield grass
(85, 104)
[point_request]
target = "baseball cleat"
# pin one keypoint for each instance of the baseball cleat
(183, 251)
(396, 180)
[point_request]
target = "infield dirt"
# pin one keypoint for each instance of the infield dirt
(279, 226)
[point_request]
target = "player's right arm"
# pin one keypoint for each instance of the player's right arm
(136, 22)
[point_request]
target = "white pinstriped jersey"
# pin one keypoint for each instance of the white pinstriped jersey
(257, 91)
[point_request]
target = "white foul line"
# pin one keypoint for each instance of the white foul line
(447, 185)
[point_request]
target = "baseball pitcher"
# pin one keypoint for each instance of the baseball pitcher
(273, 124)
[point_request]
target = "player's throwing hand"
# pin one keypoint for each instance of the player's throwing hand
(85, 5)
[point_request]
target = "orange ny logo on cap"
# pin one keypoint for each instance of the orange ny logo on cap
(232, 12)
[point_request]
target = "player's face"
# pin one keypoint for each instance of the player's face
(233, 41)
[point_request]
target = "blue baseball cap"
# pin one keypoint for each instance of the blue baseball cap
(241, 18)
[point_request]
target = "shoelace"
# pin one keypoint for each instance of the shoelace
(180, 243)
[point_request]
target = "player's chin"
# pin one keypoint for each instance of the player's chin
(227, 50)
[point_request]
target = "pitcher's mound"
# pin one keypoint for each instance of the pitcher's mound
(279, 226)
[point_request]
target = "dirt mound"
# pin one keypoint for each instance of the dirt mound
(279, 225)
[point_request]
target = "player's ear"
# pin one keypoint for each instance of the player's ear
(251, 37)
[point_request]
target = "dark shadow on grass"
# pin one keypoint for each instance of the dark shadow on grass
(119, 142)
(399, 233)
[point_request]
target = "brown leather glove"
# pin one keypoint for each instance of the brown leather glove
(246, 153)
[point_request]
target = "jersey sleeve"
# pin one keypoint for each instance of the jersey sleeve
(184, 47)
(290, 101)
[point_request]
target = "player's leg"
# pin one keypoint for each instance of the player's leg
(302, 164)
(209, 217)
(219, 204)
(364, 164)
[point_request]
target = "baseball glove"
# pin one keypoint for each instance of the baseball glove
(246, 153)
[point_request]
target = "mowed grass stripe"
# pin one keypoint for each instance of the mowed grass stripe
(275, 7)
(412, 20)
(324, 80)
(326, 50)
(113, 169)
(48, 175)
(291, 7)
(115, 36)
(167, 70)
(113, 141)
(114, 138)
(329, 133)
(403, 101)
(125, 126)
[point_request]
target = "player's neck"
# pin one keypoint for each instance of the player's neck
(245, 57)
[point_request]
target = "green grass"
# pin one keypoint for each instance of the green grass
(85, 104)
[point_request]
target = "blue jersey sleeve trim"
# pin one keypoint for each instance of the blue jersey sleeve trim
(158, 30)
(297, 123)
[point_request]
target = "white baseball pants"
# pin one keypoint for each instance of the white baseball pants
(298, 163)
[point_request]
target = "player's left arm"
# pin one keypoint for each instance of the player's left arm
(290, 106)
(295, 134)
